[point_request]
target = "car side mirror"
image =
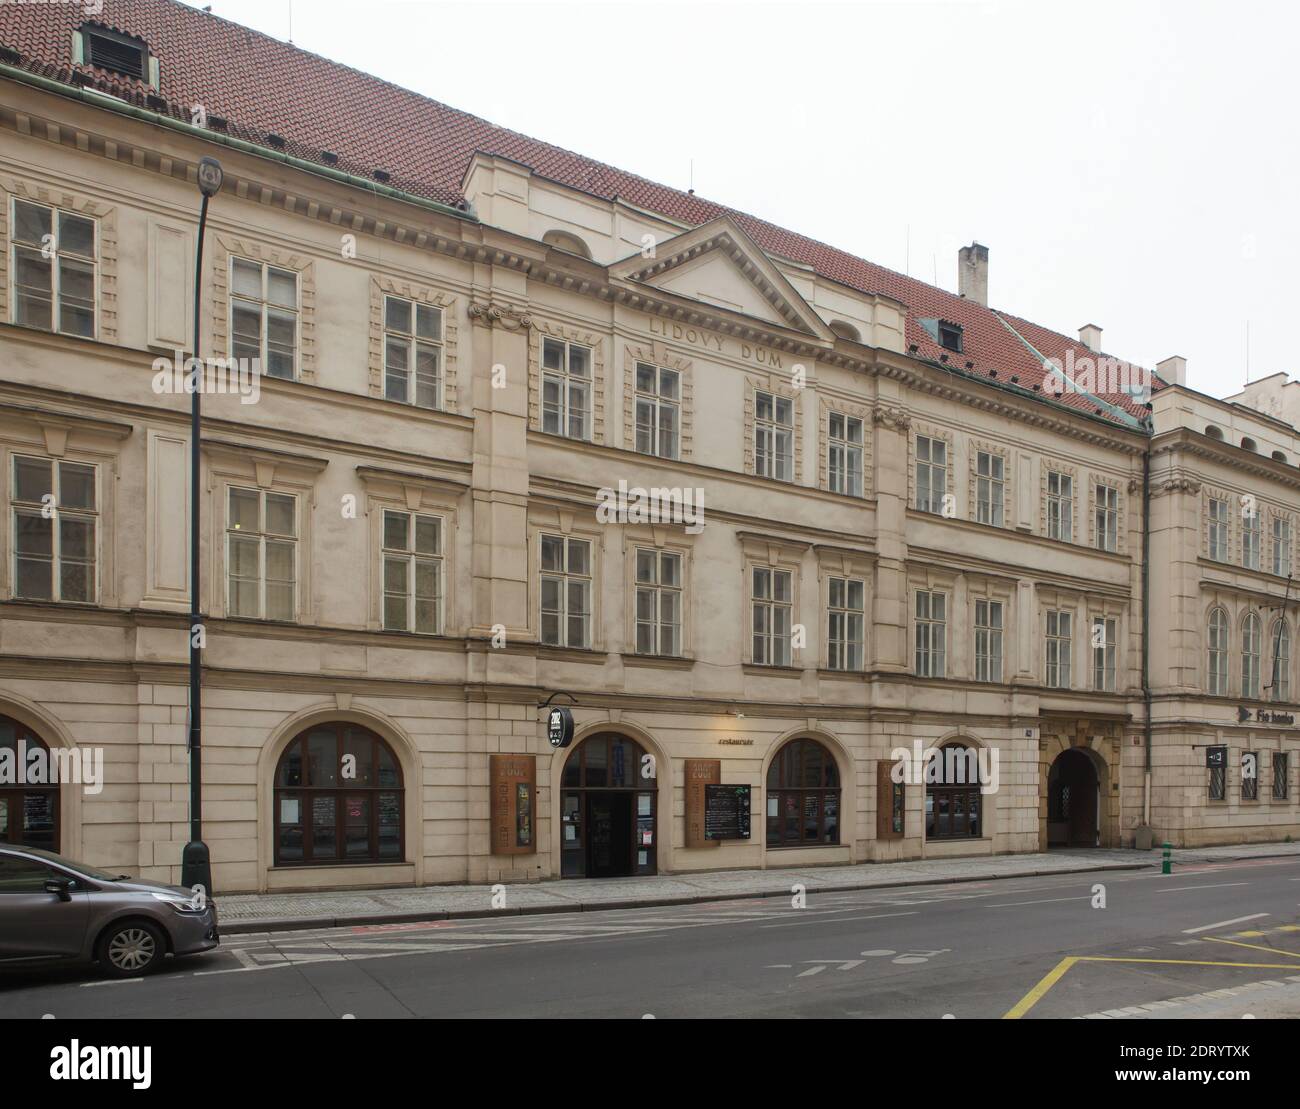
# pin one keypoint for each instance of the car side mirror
(61, 886)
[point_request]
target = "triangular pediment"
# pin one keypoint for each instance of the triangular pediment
(718, 264)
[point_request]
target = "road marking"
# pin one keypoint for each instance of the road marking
(1045, 901)
(1256, 947)
(1021, 1007)
(1215, 886)
(111, 982)
(1222, 924)
(797, 923)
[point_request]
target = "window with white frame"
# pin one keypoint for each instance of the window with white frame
(413, 572)
(261, 554)
(931, 633)
(1107, 519)
(772, 606)
(846, 619)
(988, 641)
(773, 436)
(566, 591)
(658, 410)
(412, 352)
(55, 269)
(931, 473)
(658, 602)
(1279, 687)
(990, 487)
(844, 454)
(1216, 668)
(1250, 652)
(1282, 546)
(1060, 506)
(1250, 537)
(1103, 653)
(1059, 640)
(264, 316)
(566, 389)
(1218, 529)
(55, 506)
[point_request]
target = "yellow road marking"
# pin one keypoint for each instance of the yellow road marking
(1256, 947)
(1049, 980)
(1249, 935)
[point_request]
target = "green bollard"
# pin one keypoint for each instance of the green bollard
(1166, 867)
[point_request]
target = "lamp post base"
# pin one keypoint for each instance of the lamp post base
(196, 867)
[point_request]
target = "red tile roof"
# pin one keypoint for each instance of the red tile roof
(262, 86)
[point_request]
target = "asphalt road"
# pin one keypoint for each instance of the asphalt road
(1027, 947)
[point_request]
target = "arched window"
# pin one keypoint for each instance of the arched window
(564, 240)
(845, 330)
(1214, 432)
(29, 805)
(1248, 443)
(1250, 649)
(1280, 673)
(1217, 665)
(803, 795)
(338, 799)
(953, 804)
(1278, 456)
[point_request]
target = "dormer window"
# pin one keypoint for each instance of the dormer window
(950, 336)
(122, 54)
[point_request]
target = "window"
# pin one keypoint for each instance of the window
(846, 618)
(1060, 506)
(658, 602)
(844, 455)
(261, 554)
(952, 794)
(1250, 537)
(988, 641)
(412, 557)
(29, 813)
(658, 410)
(1282, 546)
(1281, 766)
(564, 240)
(950, 336)
(1060, 627)
(931, 473)
(1249, 776)
(773, 436)
(566, 389)
(1218, 534)
(412, 352)
(1218, 783)
(118, 53)
(803, 795)
(566, 591)
(1280, 675)
(1103, 653)
(1250, 650)
(931, 633)
(264, 316)
(772, 604)
(55, 530)
(1107, 517)
(338, 799)
(55, 268)
(1217, 664)
(990, 488)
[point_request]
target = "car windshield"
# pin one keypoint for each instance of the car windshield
(72, 864)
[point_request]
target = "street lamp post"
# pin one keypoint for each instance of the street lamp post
(196, 864)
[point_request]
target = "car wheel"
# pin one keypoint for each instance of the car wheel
(131, 948)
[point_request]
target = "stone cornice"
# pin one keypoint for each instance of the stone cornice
(1192, 443)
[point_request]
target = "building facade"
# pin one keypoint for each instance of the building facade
(758, 514)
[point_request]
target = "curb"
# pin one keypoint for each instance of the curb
(298, 924)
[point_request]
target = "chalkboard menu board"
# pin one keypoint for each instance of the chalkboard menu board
(726, 812)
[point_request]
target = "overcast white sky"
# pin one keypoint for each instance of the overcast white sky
(1131, 165)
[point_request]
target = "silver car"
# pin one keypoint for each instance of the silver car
(54, 910)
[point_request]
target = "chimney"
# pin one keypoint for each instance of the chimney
(1173, 369)
(973, 273)
(1090, 337)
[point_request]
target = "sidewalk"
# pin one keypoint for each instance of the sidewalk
(278, 912)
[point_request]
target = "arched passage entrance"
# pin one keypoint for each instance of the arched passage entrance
(1073, 800)
(608, 809)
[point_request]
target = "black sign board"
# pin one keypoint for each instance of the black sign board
(559, 727)
(726, 812)
(1216, 757)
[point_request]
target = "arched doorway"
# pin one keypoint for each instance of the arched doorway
(1073, 800)
(29, 809)
(608, 809)
(803, 795)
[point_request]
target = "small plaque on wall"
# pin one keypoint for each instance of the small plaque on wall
(514, 804)
(699, 773)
